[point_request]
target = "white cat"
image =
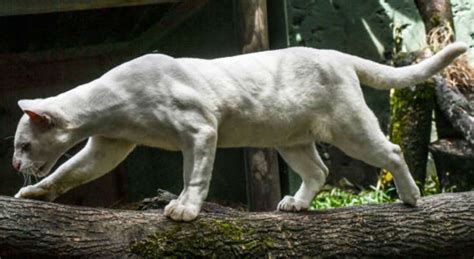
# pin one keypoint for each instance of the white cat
(285, 99)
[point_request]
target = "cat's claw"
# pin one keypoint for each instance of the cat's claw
(180, 212)
(289, 203)
(36, 193)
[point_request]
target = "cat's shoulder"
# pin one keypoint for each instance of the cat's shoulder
(144, 63)
(152, 58)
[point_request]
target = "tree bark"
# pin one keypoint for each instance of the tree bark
(263, 179)
(456, 109)
(441, 225)
(453, 159)
(252, 19)
(435, 13)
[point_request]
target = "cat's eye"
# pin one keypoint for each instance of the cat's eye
(25, 146)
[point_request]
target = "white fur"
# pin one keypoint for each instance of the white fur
(286, 99)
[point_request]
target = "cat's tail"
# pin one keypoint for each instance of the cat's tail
(387, 77)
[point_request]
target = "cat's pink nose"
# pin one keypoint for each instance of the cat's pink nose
(16, 165)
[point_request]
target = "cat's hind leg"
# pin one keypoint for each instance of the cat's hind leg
(198, 159)
(304, 160)
(360, 137)
(98, 157)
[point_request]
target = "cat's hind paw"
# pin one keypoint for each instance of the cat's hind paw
(289, 203)
(410, 197)
(180, 212)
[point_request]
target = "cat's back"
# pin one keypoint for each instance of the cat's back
(271, 61)
(258, 74)
(268, 58)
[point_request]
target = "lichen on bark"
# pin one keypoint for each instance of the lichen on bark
(231, 236)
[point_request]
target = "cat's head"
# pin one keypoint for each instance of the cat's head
(41, 137)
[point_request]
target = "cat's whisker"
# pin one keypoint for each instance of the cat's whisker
(24, 179)
(27, 172)
(36, 178)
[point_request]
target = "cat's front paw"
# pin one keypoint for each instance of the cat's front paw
(289, 203)
(181, 212)
(35, 192)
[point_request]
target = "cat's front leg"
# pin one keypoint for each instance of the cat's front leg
(99, 156)
(198, 160)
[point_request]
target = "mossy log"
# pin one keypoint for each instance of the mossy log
(441, 225)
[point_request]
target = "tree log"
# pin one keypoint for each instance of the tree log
(441, 225)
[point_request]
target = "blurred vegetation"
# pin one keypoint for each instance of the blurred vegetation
(336, 197)
(384, 193)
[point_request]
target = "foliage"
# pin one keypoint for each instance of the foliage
(336, 197)
(432, 186)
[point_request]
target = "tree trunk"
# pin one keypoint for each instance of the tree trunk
(435, 13)
(410, 123)
(454, 112)
(456, 109)
(251, 17)
(438, 13)
(441, 225)
(411, 109)
(263, 178)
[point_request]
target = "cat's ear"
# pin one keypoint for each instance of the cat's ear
(38, 118)
(26, 104)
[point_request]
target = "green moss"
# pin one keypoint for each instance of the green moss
(268, 242)
(164, 242)
(208, 237)
(410, 125)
